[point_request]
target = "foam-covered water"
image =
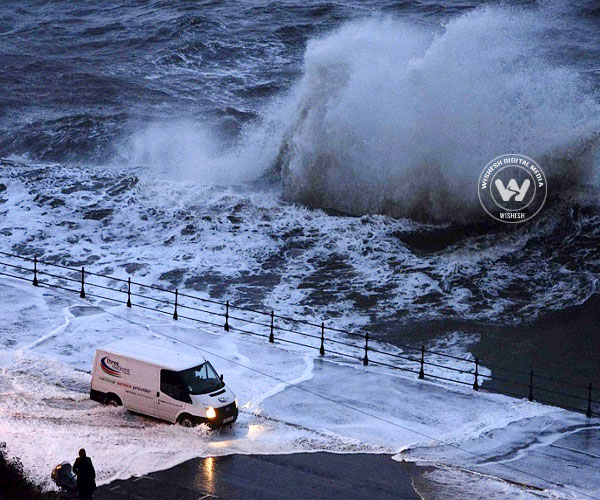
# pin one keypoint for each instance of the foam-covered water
(245, 245)
(220, 148)
(183, 144)
(288, 404)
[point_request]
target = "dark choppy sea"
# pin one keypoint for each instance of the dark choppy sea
(320, 158)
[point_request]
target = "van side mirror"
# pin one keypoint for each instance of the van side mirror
(221, 377)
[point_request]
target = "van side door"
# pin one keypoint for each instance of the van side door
(138, 387)
(172, 396)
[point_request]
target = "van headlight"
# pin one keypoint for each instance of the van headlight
(211, 413)
(235, 400)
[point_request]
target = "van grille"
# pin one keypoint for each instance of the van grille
(226, 411)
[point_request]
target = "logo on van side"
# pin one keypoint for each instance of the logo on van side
(112, 368)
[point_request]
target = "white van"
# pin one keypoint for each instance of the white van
(162, 382)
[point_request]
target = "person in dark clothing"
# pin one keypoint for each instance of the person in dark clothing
(86, 475)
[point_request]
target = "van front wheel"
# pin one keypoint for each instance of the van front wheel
(187, 421)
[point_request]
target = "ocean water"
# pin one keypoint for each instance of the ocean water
(318, 158)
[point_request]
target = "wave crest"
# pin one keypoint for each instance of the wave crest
(389, 118)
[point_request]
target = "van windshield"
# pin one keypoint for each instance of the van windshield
(201, 379)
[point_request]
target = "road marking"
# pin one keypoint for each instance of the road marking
(114, 488)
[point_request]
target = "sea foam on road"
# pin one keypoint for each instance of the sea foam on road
(290, 401)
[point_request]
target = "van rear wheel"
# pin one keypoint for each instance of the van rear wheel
(187, 421)
(112, 400)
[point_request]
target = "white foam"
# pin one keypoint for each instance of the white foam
(392, 118)
(46, 414)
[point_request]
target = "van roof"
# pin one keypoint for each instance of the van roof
(170, 358)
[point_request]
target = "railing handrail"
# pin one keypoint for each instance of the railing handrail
(81, 273)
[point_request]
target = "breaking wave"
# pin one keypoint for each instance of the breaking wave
(390, 118)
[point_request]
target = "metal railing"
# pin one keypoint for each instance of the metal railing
(362, 347)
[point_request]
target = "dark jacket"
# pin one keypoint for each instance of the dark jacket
(86, 476)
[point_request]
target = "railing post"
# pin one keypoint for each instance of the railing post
(530, 386)
(366, 358)
(322, 348)
(82, 292)
(476, 382)
(175, 315)
(271, 336)
(128, 292)
(35, 280)
(422, 370)
(226, 326)
(588, 413)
